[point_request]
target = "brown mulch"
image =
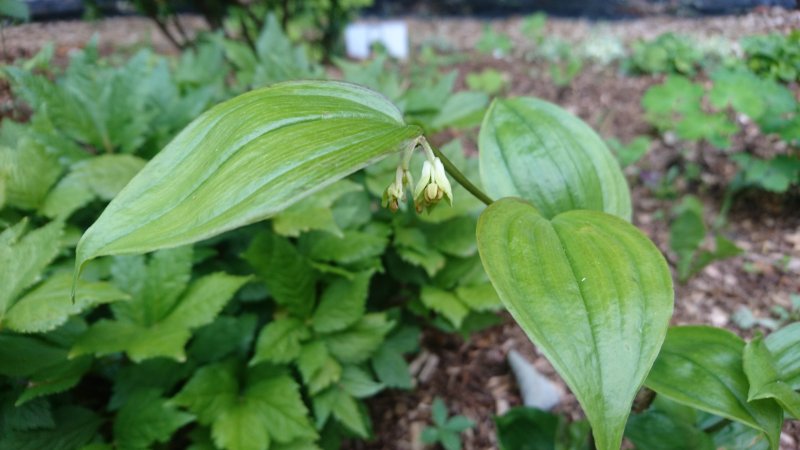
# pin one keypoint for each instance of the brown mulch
(472, 376)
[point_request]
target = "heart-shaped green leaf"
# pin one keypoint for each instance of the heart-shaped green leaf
(591, 291)
(535, 150)
(245, 160)
(772, 366)
(701, 367)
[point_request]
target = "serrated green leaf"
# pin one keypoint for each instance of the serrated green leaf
(212, 390)
(388, 362)
(224, 336)
(702, 367)
(287, 274)
(342, 304)
(280, 341)
(281, 408)
(167, 337)
(445, 303)
(24, 257)
(159, 375)
(461, 110)
(313, 212)
(317, 367)
(75, 426)
(48, 305)
(55, 378)
(36, 414)
(146, 419)
(101, 177)
(28, 173)
(344, 408)
(479, 297)
(22, 356)
(155, 286)
(391, 368)
(455, 237)
(535, 150)
(351, 247)
(600, 286)
(240, 171)
(204, 300)
(414, 248)
(240, 428)
(105, 337)
(269, 400)
(357, 343)
(772, 366)
(359, 383)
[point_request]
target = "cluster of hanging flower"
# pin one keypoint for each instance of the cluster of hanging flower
(431, 188)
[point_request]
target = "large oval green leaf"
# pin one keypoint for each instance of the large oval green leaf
(535, 150)
(591, 291)
(245, 160)
(701, 367)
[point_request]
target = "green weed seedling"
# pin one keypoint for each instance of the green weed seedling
(687, 234)
(445, 430)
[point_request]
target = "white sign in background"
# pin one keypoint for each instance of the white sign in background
(359, 37)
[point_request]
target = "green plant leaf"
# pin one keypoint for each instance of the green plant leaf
(344, 408)
(591, 291)
(524, 428)
(535, 150)
(655, 430)
(388, 362)
(162, 336)
(245, 160)
(461, 110)
(286, 272)
(155, 285)
(280, 341)
(314, 212)
(358, 342)
(772, 366)
(24, 256)
(75, 427)
(28, 172)
(268, 404)
(342, 304)
(445, 303)
(146, 419)
(317, 367)
(702, 367)
(101, 177)
(48, 306)
(359, 383)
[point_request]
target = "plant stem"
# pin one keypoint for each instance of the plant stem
(462, 180)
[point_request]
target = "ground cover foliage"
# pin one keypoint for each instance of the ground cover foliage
(272, 335)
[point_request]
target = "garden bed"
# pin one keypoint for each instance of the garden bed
(473, 375)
